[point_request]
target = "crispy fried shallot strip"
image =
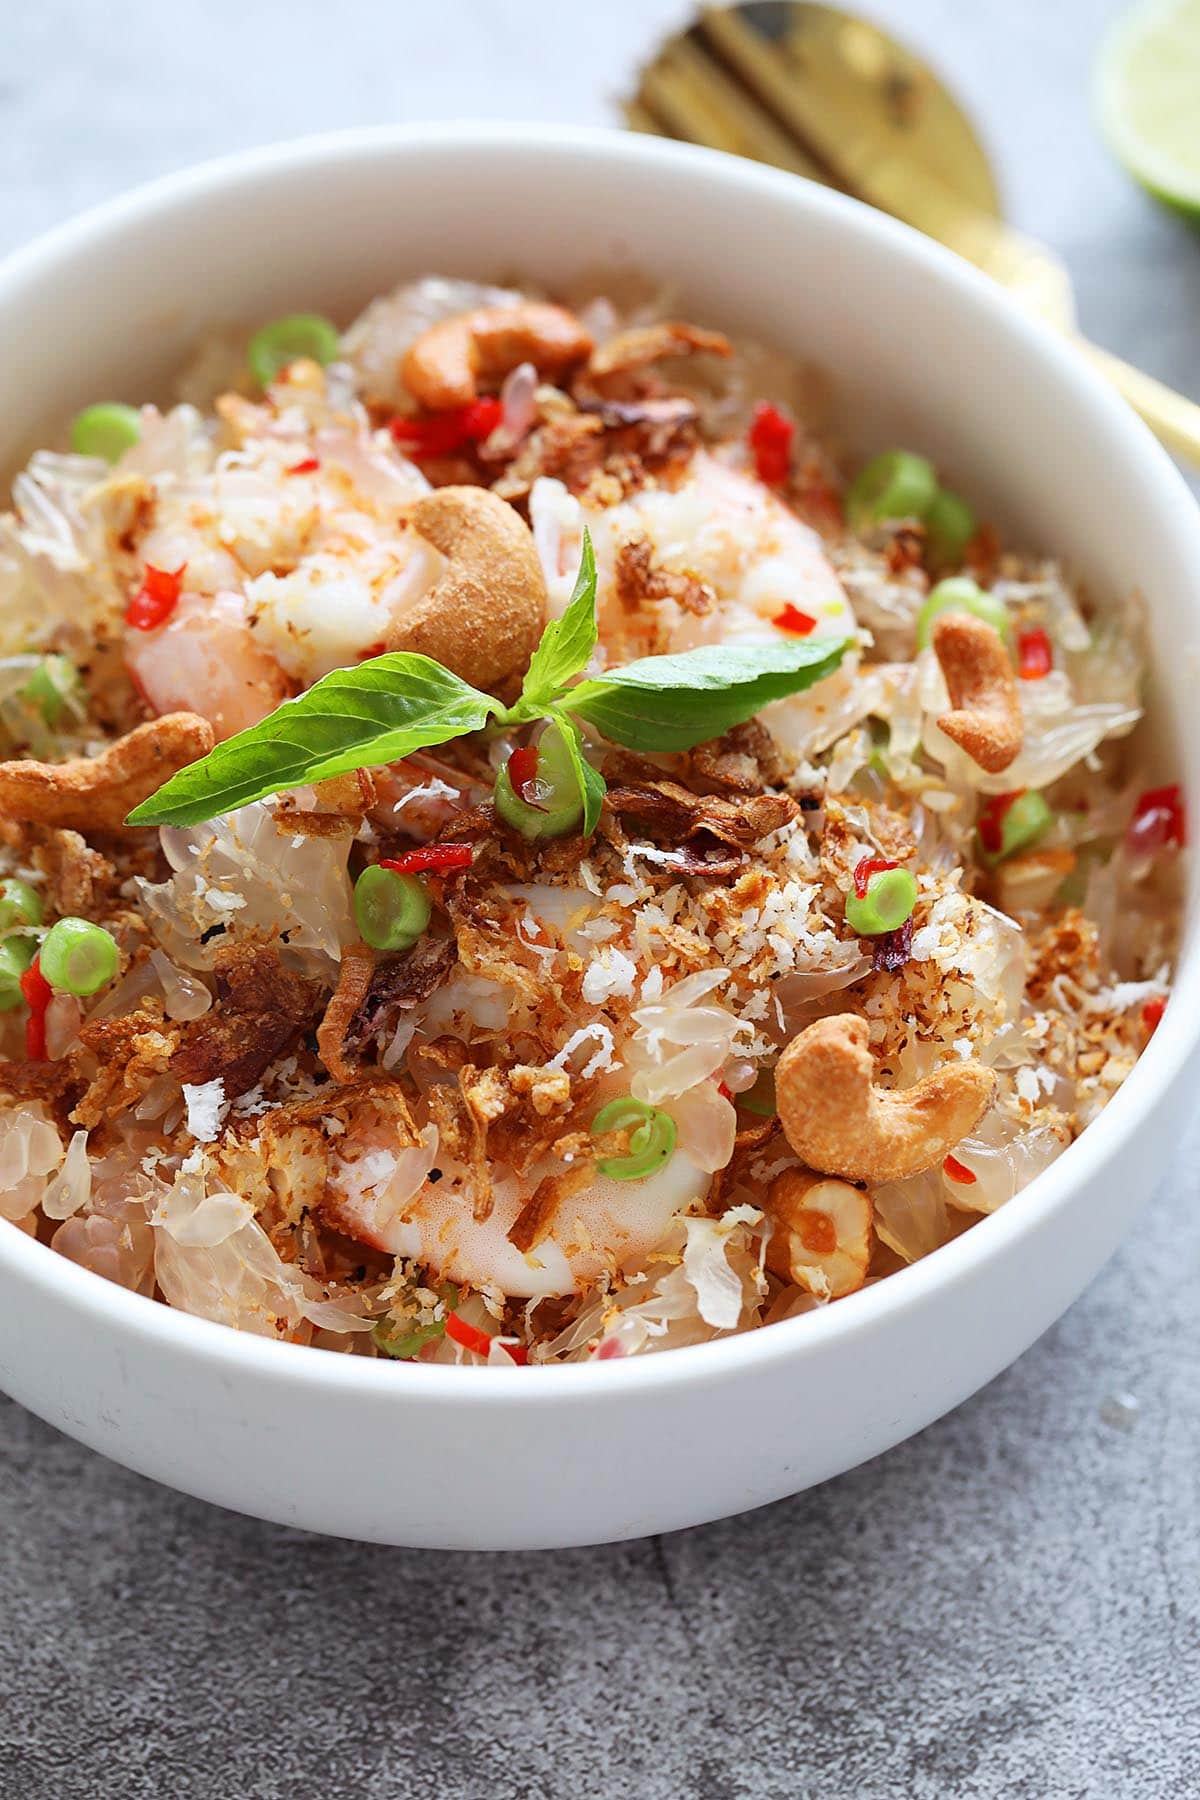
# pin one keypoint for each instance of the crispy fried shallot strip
(745, 761)
(342, 803)
(95, 793)
(665, 810)
(397, 985)
(644, 344)
(536, 1219)
(354, 979)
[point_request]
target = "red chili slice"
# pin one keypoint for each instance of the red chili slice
(308, 466)
(481, 418)
(38, 995)
(523, 773)
(434, 857)
(1159, 822)
(801, 624)
(865, 868)
(1035, 655)
(959, 1171)
(472, 1338)
(990, 825)
(770, 438)
(469, 1336)
(156, 599)
(441, 434)
(1152, 1014)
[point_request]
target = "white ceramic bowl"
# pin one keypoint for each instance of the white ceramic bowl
(924, 352)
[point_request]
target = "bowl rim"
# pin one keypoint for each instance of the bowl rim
(857, 1315)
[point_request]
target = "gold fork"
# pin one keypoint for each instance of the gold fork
(815, 91)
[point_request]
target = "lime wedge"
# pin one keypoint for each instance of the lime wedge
(1148, 98)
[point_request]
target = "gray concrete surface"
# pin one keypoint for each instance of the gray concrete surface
(1007, 1606)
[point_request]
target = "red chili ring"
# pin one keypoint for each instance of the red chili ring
(433, 858)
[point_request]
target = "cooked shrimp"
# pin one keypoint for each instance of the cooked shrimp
(384, 1197)
(749, 561)
(606, 1225)
(297, 560)
(205, 659)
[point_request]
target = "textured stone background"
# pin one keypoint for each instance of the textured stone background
(1007, 1606)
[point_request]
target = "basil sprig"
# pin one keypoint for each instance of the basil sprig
(390, 705)
(673, 702)
(566, 643)
(353, 719)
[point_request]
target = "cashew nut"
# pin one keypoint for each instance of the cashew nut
(986, 720)
(650, 343)
(443, 366)
(839, 1123)
(484, 616)
(821, 1239)
(94, 793)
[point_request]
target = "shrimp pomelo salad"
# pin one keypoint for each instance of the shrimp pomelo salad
(514, 850)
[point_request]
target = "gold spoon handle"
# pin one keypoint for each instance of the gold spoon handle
(1174, 420)
(806, 88)
(1036, 277)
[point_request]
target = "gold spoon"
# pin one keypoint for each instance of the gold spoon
(818, 92)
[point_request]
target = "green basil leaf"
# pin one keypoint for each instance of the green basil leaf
(352, 719)
(673, 702)
(592, 787)
(566, 643)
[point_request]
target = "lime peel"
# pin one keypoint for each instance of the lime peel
(1146, 85)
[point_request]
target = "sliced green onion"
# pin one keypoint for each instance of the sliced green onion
(959, 594)
(652, 1137)
(889, 900)
(285, 341)
(391, 909)
(895, 485)
(107, 430)
(53, 687)
(554, 806)
(78, 957)
(403, 1344)
(1022, 824)
(949, 527)
(16, 954)
(881, 739)
(760, 1098)
(19, 904)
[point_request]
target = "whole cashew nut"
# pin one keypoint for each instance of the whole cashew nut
(838, 1122)
(484, 616)
(94, 793)
(986, 720)
(443, 366)
(821, 1237)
